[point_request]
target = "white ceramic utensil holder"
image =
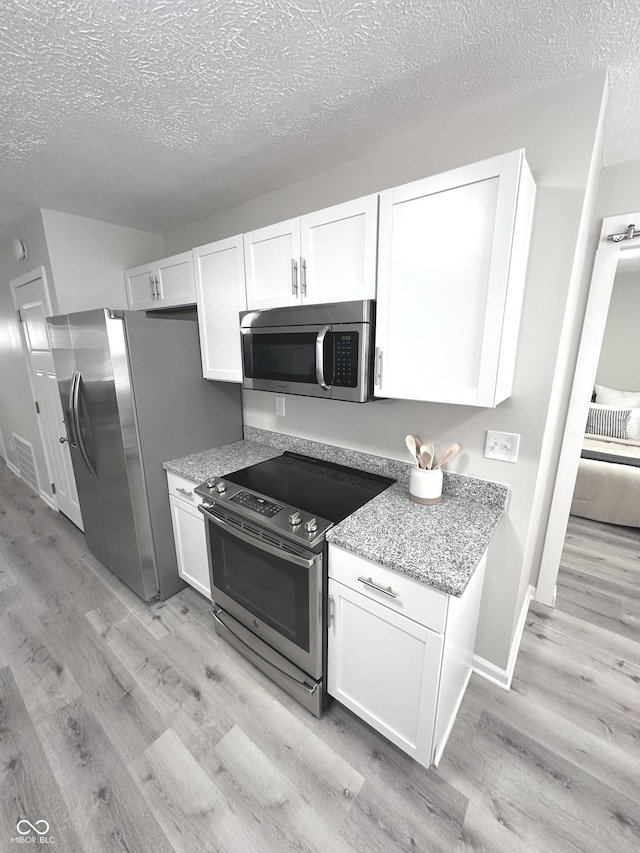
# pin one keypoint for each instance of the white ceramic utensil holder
(425, 486)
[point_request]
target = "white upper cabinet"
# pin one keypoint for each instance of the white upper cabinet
(452, 261)
(220, 294)
(272, 256)
(167, 283)
(325, 256)
(338, 248)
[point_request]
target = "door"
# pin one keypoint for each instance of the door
(191, 545)
(221, 296)
(452, 262)
(141, 287)
(175, 283)
(272, 257)
(31, 299)
(338, 247)
(366, 642)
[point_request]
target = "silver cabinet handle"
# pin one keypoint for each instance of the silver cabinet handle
(386, 590)
(184, 492)
(294, 276)
(303, 276)
(378, 378)
(332, 610)
(152, 286)
(322, 382)
(157, 287)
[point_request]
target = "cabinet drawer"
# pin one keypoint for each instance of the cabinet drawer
(417, 601)
(181, 488)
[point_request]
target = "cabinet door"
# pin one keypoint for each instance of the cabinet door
(338, 248)
(272, 256)
(175, 281)
(140, 286)
(221, 296)
(191, 545)
(385, 668)
(450, 283)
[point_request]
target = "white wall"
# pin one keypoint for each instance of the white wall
(619, 190)
(559, 130)
(619, 365)
(84, 261)
(17, 412)
(88, 259)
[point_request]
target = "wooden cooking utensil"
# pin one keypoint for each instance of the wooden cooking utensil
(449, 453)
(413, 448)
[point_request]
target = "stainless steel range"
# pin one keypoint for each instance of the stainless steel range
(266, 528)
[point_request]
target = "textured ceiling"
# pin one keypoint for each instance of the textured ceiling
(155, 113)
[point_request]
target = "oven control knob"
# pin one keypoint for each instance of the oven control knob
(295, 518)
(207, 505)
(311, 526)
(220, 488)
(210, 483)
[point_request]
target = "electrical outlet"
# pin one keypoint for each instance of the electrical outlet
(502, 445)
(280, 406)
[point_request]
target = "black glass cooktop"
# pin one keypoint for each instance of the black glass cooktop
(325, 489)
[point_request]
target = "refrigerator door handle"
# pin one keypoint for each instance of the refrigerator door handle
(68, 415)
(75, 417)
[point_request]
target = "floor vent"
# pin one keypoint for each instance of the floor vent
(26, 462)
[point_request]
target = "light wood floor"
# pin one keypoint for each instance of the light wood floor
(134, 728)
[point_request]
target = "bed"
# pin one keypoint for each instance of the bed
(608, 483)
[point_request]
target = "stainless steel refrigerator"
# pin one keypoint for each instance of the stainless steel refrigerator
(133, 397)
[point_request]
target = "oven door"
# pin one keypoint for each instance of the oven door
(276, 594)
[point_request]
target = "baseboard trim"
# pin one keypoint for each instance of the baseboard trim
(48, 500)
(503, 677)
(14, 469)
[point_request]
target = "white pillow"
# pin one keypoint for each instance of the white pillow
(633, 425)
(611, 397)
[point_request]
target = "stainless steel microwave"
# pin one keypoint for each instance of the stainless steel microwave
(313, 350)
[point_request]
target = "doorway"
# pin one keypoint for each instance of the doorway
(33, 305)
(604, 270)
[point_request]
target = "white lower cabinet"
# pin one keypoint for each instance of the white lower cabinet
(399, 652)
(189, 534)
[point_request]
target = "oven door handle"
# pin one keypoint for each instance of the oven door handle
(257, 543)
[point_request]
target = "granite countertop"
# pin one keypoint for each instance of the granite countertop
(221, 460)
(437, 545)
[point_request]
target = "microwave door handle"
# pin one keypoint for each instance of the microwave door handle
(322, 382)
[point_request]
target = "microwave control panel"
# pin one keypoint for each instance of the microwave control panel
(345, 359)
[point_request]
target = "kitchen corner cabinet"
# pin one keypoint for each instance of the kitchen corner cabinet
(399, 652)
(189, 534)
(451, 268)
(220, 297)
(325, 256)
(168, 283)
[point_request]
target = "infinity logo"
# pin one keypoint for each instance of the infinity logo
(41, 827)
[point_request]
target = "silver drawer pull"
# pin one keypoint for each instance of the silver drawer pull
(384, 589)
(185, 492)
